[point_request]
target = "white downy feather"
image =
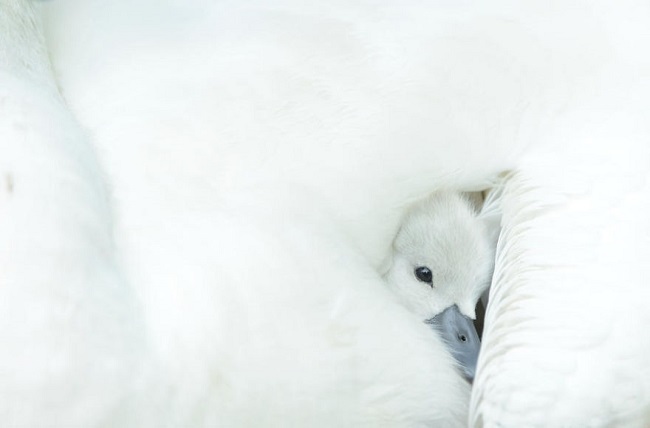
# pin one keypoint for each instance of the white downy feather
(259, 157)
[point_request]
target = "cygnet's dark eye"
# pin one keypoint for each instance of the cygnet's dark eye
(423, 274)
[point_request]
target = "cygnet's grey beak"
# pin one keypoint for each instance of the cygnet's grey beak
(460, 335)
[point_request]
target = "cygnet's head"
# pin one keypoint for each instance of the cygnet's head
(443, 255)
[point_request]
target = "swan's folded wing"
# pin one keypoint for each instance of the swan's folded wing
(566, 341)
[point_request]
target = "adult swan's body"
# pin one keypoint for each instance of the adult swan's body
(259, 159)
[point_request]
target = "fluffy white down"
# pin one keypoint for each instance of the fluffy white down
(202, 250)
(444, 234)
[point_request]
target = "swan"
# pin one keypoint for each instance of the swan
(193, 236)
(441, 264)
(96, 330)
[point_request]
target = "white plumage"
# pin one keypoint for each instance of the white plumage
(200, 248)
(440, 264)
(444, 235)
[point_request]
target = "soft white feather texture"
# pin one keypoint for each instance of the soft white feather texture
(444, 234)
(251, 306)
(568, 302)
(69, 325)
(258, 158)
(22, 48)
